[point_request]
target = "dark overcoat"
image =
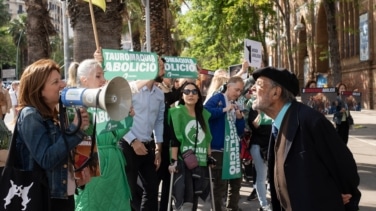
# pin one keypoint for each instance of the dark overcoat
(318, 166)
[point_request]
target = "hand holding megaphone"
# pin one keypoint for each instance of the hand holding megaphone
(115, 98)
(85, 120)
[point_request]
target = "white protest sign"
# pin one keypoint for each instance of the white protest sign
(253, 53)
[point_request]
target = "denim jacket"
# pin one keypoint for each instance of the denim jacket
(41, 140)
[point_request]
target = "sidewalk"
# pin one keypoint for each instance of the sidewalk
(362, 143)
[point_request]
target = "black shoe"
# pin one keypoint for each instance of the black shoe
(253, 195)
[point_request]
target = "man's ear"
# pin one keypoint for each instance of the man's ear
(277, 91)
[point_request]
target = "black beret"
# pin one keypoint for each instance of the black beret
(283, 77)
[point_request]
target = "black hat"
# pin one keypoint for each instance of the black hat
(283, 77)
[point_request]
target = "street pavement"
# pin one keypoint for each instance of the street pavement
(362, 143)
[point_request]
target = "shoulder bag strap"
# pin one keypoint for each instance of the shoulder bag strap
(194, 151)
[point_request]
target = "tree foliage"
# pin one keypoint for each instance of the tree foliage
(7, 49)
(17, 30)
(4, 14)
(216, 30)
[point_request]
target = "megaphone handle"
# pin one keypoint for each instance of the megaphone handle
(78, 113)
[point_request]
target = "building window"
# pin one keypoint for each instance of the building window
(20, 10)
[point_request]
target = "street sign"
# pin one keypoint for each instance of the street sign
(8, 73)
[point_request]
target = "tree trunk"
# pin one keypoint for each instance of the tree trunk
(284, 12)
(108, 24)
(288, 37)
(136, 39)
(159, 28)
(156, 26)
(38, 30)
(335, 72)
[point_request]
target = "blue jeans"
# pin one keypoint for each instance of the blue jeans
(261, 170)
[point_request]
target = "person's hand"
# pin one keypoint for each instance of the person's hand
(83, 177)
(229, 107)
(256, 121)
(157, 160)
(238, 113)
(212, 162)
(131, 111)
(245, 66)
(85, 119)
(172, 168)
(139, 148)
(98, 55)
(346, 198)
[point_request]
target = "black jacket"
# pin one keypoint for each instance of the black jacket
(318, 166)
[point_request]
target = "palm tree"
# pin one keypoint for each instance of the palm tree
(160, 27)
(109, 25)
(135, 17)
(38, 30)
(17, 29)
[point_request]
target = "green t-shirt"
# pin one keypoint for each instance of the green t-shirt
(185, 131)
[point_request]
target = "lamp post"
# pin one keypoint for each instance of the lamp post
(130, 29)
(65, 39)
(18, 47)
(146, 4)
(299, 27)
(277, 43)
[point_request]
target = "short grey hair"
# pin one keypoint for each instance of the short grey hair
(85, 68)
(286, 95)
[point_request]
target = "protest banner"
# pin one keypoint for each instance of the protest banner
(253, 53)
(180, 67)
(321, 99)
(131, 65)
(352, 99)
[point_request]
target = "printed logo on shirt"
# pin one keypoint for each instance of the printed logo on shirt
(190, 132)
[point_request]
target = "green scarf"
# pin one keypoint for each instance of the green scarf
(231, 168)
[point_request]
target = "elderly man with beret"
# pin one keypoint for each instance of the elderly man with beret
(310, 168)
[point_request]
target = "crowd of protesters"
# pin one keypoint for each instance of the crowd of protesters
(170, 120)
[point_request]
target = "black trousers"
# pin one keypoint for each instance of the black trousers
(142, 166)
(62, 204)
(343, 131)
(164, 177)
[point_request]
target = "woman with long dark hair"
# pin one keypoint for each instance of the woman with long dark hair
(191, 132)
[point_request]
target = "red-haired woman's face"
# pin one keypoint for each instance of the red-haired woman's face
(51, 89)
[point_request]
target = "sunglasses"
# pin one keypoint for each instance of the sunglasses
(188, 91)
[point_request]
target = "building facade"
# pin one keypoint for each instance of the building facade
(310, 44)
(17, 7)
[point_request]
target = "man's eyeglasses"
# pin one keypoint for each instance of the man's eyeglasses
(188, 91)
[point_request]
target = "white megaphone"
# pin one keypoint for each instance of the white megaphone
(115, 98)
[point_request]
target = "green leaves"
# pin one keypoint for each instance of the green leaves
(216, 30)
